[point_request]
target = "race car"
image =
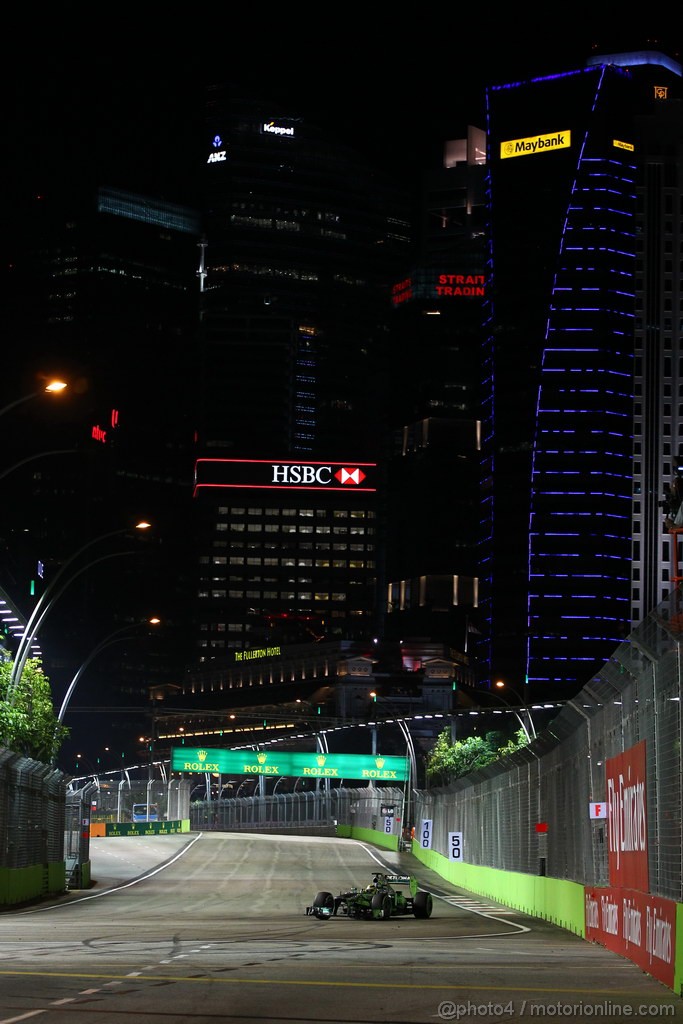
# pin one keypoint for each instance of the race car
(379, 900)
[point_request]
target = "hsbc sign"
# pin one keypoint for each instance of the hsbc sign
(248, 473)
(321, 475)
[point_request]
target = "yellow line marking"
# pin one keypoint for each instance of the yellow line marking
(331, 984)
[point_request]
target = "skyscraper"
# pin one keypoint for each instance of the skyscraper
(302, 239)
(658, 381)
(103, 290)
(557, 431)
(432, 509)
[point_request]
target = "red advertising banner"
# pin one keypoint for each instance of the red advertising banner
(635, 925)
(627, 819)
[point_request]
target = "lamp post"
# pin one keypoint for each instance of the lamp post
(39, 455)
(113, 638)
(528, 726)
(411, 758)
(51, 593)
(53, 387)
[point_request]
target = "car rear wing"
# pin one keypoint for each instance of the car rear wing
(403, 880)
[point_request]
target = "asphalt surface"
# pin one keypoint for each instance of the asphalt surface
(124, 858)
(121, 859)
(205, 927)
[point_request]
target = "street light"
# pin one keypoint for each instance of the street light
(113, 638)
(48, 598)
(53, 387)
(528, 727)
(411, 758)
(38, 455)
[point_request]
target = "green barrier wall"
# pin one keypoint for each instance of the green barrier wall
(552, 899)
(22, 885)
(368, 835)
(147, 828)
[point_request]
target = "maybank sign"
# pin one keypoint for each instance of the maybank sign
(535, 144)
(287, 763)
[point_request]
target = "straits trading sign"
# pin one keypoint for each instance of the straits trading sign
(285, 475)
(429, 285)
(535, 144)
(287, 763)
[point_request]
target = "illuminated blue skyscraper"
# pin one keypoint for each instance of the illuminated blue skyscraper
(565, 170)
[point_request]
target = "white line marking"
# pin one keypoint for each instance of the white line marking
(24, 1016)
(116, 888)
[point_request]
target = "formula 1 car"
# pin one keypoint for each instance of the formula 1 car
(380, 900)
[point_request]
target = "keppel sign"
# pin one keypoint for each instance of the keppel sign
(288, 763)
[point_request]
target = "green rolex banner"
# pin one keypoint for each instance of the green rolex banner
(289, 763)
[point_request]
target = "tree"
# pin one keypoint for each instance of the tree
(28, 723)
(448, 761)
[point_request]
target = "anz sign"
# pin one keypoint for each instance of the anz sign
(219, 154)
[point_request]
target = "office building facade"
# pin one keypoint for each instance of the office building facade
(558, 381)
(102, 293)
(288, 553)
(432, 470)
(302, 240)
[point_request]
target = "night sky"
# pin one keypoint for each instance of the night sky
(107, 95)
(117, 96)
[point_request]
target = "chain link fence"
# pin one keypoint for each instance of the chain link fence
(529, 812)
(131, 795)
(32, 815)
(311, 812)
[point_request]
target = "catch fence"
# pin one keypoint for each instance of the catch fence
(530, 811)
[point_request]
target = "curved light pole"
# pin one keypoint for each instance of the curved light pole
(411, 758)
(51, 593)
(32, 458)
(108, 641)
(529, 728)
(52, 388)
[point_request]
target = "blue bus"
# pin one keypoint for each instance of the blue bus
(145, 812)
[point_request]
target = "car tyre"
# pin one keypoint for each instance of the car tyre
(423, 904)
(324, 899)
(382, 902)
